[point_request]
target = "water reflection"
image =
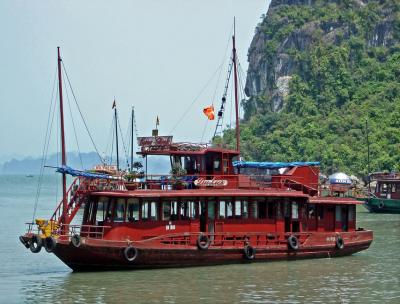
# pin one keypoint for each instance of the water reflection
(344, 280)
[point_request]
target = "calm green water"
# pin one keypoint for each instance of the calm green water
(371, 276)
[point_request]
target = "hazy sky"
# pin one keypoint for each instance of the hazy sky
(155, 55)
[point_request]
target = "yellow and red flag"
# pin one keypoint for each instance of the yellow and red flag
(209, 112)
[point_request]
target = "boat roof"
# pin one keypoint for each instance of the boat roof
(272, 165)
(334, 200)
(203, 193)
(227, 193)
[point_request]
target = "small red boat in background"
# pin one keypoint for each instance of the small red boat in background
(213, 209)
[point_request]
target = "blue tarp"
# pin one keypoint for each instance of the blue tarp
(73, 172)
(271, 165)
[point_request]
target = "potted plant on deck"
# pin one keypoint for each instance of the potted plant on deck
(133, 178)
(177, 173)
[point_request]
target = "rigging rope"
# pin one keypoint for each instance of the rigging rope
(194, 100)
(73, 125)
(109, 140)
(122, 138)
(217, 83)
(112, 142)
(80, 112)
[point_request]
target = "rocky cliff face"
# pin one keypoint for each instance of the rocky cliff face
(318, 70)
(292, 27)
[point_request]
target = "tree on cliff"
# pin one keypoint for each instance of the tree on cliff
(317, 71)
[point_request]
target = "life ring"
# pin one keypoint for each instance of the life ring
(130, 253)
(50, 244)
(203, 242)
(76, 240)
(35, 243)
(24, 242)
(249, 252)
(293, 242)
(339, 243)
(381, 205)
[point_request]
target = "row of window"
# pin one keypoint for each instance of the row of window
(132, 210)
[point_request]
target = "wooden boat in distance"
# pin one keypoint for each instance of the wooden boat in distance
(386, 195)
(215, 213)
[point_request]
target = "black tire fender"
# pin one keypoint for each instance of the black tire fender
(130, 253)
(249, 252)
(24, 242)
(35, 243)
(339, 243)
(293, 242)
(203, 242)
(381, 205)
(50, 244)
(76, 240)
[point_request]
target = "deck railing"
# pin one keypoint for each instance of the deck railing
(229, 239)
(218, 181)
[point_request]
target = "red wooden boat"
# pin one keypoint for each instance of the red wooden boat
(220, 211)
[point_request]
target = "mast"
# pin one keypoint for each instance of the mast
(368, 163)
(116, 132)
(132, 118)
(236, 89)
(63, 156)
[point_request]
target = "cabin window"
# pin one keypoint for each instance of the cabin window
(295, 211)
(338, 213)
(311, 211)
(245, 205)
(103, 213)
(262, 209)
(153, 211)
(167, 208)
(188, 210)
(351, 212)
(132, 212)
(279, 211)
(286, 209)
(226, 168)
(119, 210)
(271, 210)
(211, 210)
(229, 210)
(253, 206)
(238, 209)
(145, 210)
(320, 212)
(217, 165)
(221, 210)
(89, 212)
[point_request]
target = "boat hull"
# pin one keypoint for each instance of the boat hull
(381, 205)
(99, 256)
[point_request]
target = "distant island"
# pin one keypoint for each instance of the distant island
(31, 165)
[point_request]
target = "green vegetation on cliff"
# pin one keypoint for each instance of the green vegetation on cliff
(346, 71)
